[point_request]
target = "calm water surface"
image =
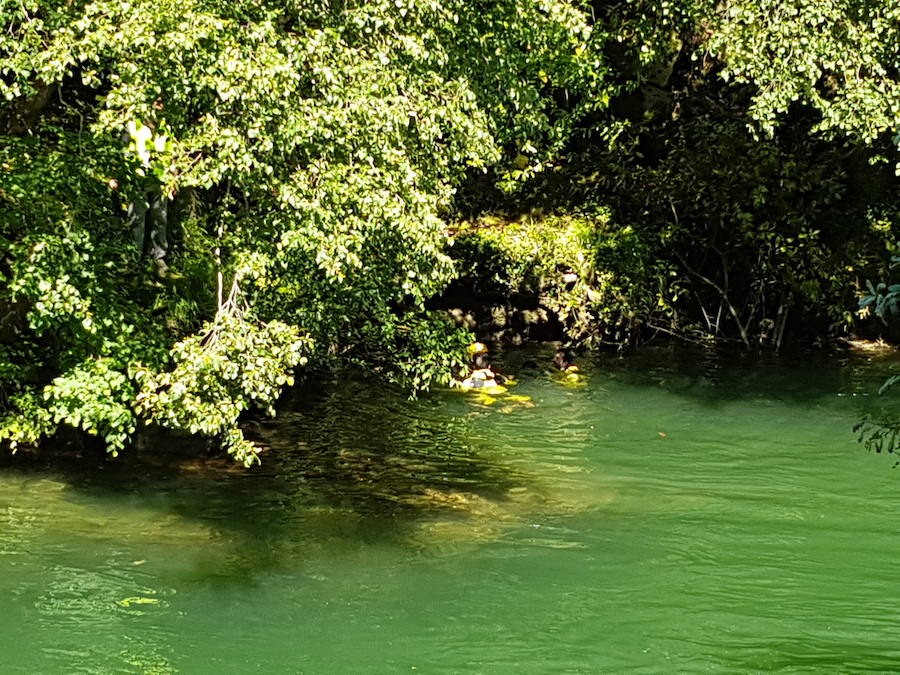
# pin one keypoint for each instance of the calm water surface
(685, 511)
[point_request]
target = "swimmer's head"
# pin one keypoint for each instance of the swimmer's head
(563, 359)
(481, 361)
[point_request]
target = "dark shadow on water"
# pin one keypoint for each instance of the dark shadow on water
(720, 375)
(352, 463)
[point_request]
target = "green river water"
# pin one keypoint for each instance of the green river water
(685, 511)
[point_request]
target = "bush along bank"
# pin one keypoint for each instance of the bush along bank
(585, 281)
(576, 279)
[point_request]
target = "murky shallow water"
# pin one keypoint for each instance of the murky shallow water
(683, 511)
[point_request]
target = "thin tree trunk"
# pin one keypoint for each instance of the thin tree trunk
(724, 295)
(781, 318)
(22, 115)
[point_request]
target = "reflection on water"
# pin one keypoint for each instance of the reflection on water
(686, 510)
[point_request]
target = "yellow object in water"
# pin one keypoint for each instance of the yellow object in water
(128, 602)
(492, 395)
(492, 390)
(571, 377)
(483, 384)
(483, 379)
(514, 401)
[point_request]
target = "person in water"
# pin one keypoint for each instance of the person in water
(489, 387)
(565, 363)
(482, 375)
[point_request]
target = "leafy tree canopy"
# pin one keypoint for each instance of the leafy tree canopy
(312, 149)
(311, 153)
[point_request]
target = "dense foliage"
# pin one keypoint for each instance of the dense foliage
(711, 162)
(310, 148)
(732, 162)
(599, 280)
